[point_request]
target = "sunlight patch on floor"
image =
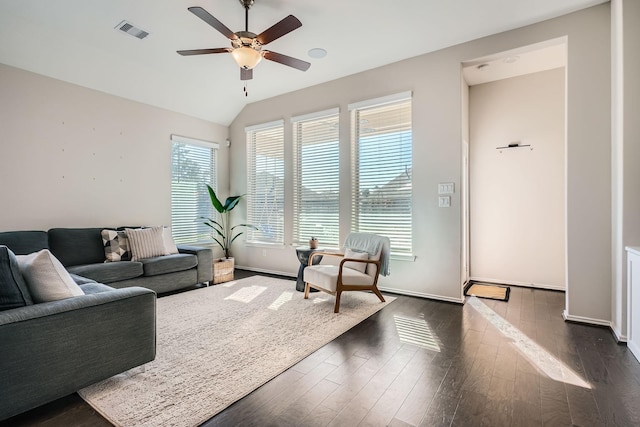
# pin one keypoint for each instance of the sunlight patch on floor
(318, 300)
(541, 359)
(281, 300)
(247, 294)
(417, 332)
(230, 284)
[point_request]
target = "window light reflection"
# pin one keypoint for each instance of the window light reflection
(247, 294)
(281, 300)
(541, 359)
(416, 332)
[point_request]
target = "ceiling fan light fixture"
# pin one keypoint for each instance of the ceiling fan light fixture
(246, 57)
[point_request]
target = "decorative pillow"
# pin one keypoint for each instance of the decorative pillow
(169, 245)
(13, 290)
(358, 266)
(46, 277)
(116, 246)
(145, 242)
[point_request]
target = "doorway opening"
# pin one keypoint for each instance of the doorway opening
(514, 167)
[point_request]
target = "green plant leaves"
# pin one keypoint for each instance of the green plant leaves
(214, 200)
(222, 227)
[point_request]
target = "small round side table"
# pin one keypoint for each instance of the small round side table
(303, 256)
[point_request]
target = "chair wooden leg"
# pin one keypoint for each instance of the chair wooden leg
(377, 292)
(306, 290)
(337, 306)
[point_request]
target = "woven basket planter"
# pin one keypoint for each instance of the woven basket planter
(223, 270)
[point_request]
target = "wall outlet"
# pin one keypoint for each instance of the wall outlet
(264, 252)
(444, 202)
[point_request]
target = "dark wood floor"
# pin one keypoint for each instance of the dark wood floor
(419, 362)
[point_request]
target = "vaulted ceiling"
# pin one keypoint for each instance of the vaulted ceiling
(76, 41)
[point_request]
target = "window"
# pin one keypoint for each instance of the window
(265, 182)
(316, 170)
(381, 169)
(193, 165)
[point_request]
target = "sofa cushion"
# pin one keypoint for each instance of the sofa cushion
(77, 246)
(95, 288)
(46, 277)
(326, 276)
(358, 266)
(116, 245)
(13, 289)
(168, 264)
(145, 242)
(108, 272)
(24, 242)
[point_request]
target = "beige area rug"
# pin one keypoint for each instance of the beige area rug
(215, 345)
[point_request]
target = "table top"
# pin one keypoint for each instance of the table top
(308, 249)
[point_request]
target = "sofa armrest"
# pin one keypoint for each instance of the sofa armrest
(205, 261)
(52, 349)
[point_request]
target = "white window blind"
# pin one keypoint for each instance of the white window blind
(381, 170)
(316, 201)
(265, 182)
(193, 165)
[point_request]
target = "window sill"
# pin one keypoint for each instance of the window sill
(265, 245)
(403, 257)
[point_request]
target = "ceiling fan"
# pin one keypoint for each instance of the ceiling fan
(246, 47)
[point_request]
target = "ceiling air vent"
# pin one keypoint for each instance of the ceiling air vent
(132, 30)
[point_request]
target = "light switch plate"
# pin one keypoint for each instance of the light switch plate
(446, 188)
(444, 202)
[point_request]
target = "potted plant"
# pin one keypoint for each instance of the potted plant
(223, 233)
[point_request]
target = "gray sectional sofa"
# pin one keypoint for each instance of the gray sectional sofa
(51, 349)
(82, 252)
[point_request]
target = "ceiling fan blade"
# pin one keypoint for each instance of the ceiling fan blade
(204, 51)
(278, 30)
(246, 74)
(209, 19)
(286, 60)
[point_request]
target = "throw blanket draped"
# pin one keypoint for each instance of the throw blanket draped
(371, 243)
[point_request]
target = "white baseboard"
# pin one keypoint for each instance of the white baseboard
(635, 349)
(516, 283)
(422, 295)
(263, 270)
(617, 334)
(390, 290)
(588, 320)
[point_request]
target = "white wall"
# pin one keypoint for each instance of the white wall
(75, 157)
(434, 80)
(625, 146)
(517, 195)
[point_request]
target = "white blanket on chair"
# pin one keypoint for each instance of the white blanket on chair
(371, 243)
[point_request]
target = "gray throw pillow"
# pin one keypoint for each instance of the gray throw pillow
(13, 289)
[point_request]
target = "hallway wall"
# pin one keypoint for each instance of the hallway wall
(517, 208)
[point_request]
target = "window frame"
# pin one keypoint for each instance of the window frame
(404, 253)
(202, 194)
(253, 237)
(298, 143)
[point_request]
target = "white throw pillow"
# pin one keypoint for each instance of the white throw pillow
(169, 245)
(358, 266)
(46, 277)
(145, 242)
